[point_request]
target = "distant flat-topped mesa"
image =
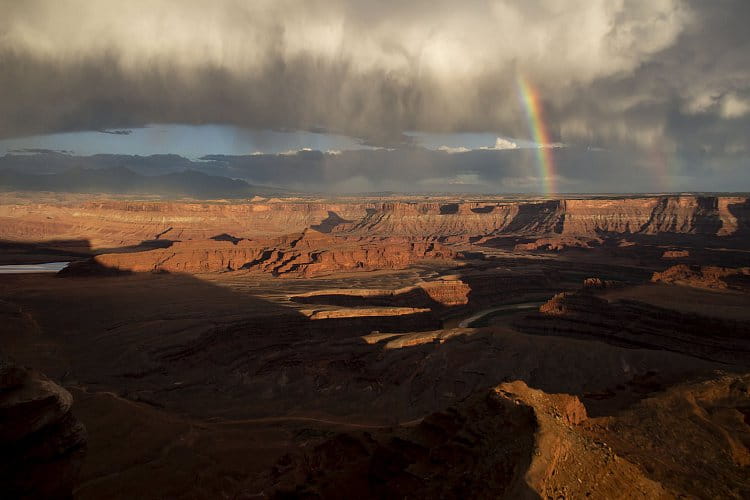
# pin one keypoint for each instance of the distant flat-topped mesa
(113, 223)
(309, 253)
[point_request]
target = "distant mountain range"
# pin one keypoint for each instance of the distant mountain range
(121, 180)
(403, 170)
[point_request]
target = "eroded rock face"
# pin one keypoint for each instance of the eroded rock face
(429, 294)
(508, 442)
(705, 450)
(600, 284)
(675, 254)
(121, 223)
(720, 278)
(572, 303)
(447, 292)
(461, 452)
(42, 445)
(307, 254)
(558, 243)
(631, 323)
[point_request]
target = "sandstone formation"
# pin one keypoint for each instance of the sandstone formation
(195, 372)
(667, 214)
(509, 442)
(705, 277)
(124, 223)
(309, 253)
(42, 445)
(311, 238)
(446, 292)
(363, 312)
(675, 254)
(200, 374)
(692, 438)
(599, 284)
(583, 314)
(558, 243)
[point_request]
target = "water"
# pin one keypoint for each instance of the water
(47, 267)
(466, 323)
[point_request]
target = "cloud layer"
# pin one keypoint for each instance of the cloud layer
(662, 76)
(366, 69)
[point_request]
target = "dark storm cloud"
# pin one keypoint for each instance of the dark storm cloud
(668, 77)
(372, 70)
(694, 95)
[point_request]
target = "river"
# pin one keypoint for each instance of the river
(466, 323)
(47, 267)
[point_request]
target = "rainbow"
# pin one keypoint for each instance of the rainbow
(532, 106)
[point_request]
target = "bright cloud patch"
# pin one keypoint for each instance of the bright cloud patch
(733, 106)
(452, 150)
(502, 143)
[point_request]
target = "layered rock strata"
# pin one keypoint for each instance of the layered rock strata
(636, 324)
(309, 253)
(121, 223)
(721, 278)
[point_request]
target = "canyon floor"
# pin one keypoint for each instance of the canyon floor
(415, 347)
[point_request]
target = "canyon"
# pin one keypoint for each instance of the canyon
(122, 223)
(412, 346)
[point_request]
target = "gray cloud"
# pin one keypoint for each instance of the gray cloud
(659, 76)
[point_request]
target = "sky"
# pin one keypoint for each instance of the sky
(575, 96)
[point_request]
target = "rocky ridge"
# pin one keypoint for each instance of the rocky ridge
(296, 238)
(720, 278)
(309, 253)
(509, 442)
(117, 223)
(42, 445)
(636, 324)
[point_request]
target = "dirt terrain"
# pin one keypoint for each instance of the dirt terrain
(460, 348)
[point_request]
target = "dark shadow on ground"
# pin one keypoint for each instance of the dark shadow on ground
(19, 252)
(449, 209)
(143, 246)
(226, 237)
(412, 297)
(38, 252)
(329, 223)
